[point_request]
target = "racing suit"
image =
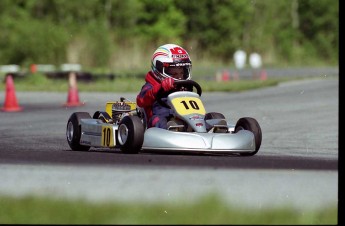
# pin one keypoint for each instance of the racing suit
(156, 114)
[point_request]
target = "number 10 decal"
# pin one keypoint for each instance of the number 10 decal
(192, 103)
(188, 105)
(107, 137)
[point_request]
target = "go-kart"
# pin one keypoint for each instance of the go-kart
(123, 125)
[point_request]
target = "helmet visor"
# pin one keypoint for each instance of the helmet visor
(177, 71)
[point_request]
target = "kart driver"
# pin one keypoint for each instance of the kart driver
(169, 63)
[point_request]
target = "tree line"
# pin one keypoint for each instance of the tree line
(123, 34)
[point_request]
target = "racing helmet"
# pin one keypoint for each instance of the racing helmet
(168, 56)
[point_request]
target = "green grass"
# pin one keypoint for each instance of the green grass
(39, 82)
(207, 210)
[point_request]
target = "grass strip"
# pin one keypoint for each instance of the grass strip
(207, 210)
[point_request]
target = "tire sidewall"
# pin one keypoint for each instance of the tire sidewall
(135, 137)
(252, 125)
(75, 141)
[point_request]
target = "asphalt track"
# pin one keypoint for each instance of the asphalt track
(296, 165)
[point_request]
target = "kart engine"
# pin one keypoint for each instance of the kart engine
(118, 109)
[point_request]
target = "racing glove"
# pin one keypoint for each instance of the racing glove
(168, 84)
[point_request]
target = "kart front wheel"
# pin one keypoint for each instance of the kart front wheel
(131, 134)
(214, 115)
(253, 126)
(73, 131)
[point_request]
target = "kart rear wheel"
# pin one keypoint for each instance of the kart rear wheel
(73, 131)
(131, 134)
(143, 117)
(252, 125)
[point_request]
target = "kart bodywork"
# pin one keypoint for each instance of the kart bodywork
(190, 129)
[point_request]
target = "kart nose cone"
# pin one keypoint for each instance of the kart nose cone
(161, 139)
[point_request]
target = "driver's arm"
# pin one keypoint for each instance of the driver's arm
(147, 95)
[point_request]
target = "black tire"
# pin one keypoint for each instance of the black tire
(214, 115)
(143, 117)
(73, 131)
(252, 125)
(130, 134)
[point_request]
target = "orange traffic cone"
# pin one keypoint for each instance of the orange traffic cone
(11, 103)
(73, 97)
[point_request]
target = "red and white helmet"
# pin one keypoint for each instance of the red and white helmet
(170, 55)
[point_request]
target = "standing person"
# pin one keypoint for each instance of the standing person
(169, 63)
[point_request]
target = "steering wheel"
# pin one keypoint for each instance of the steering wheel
(178, 85)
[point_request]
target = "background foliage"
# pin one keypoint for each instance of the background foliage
(117, 34)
